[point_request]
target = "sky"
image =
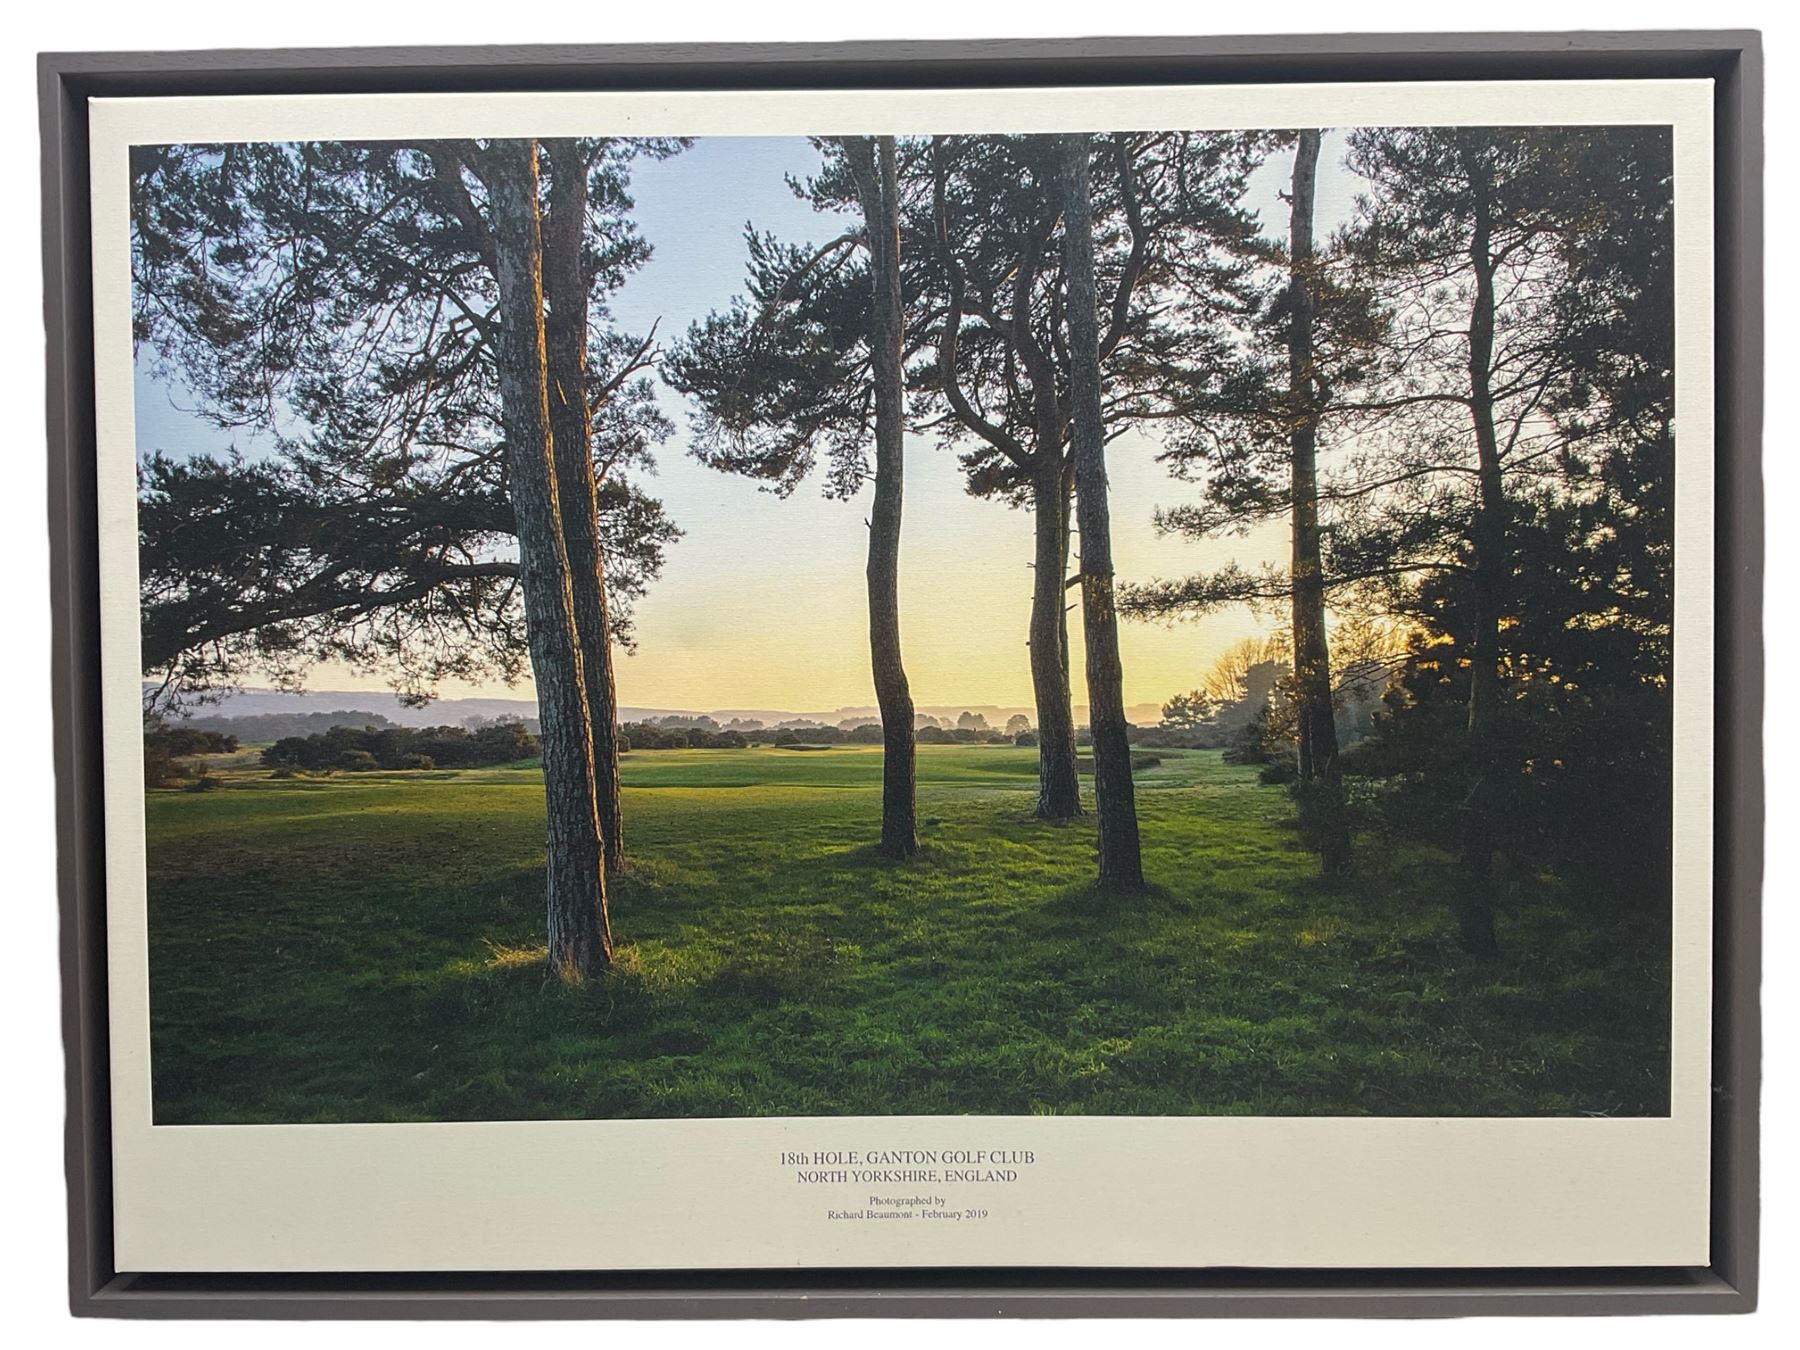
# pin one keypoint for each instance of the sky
(761, 604)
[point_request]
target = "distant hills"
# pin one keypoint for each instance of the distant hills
(438, 713)
(324, 707)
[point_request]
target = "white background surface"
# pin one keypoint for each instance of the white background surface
(32, 1231)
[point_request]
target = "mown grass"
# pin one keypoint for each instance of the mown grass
(369, 947)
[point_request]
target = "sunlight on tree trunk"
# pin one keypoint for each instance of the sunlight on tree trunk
(571, 426)
(1059, 787)
(580, 941)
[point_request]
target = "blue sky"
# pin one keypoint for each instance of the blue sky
(762, 602)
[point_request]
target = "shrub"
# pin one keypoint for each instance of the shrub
(1255, 744)
(1328, 812)
(160, 766)
(392, 747)
(165, 746)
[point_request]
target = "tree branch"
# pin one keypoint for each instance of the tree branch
(995, 436)
(1134, 263)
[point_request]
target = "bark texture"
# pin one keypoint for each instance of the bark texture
(571, 427)
(1317, 731)
(575, 876)
(1115, 803)
(874, 167)
(1488, 567)
(1059, 784)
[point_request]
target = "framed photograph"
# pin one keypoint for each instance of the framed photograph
(1105, 677)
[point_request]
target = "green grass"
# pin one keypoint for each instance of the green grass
(369, 947)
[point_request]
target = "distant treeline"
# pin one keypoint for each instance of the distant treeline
(969, 736)
(702, 733)
(352, 741)
(393, 747)
(260, 728)
(680, 734)
(760, 732)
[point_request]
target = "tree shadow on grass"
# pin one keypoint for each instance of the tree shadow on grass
(1094, 902)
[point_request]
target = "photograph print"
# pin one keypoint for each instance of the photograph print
(1122, 623)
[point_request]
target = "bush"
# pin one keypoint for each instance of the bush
(1330, 815)
(392, 747)
(164, 747)
(1254, 745)
(1206, 736)
(190, 741)
(160, 767)
(808, 735)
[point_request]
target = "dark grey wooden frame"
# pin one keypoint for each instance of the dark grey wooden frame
(1728, 1284)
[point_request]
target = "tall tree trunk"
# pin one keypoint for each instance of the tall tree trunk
(1115, 803)
(575, 874)
(1059, 783)
(571, 427)
(1318, 745)
(1489, 565)
(1067, 498)
(877, 179)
